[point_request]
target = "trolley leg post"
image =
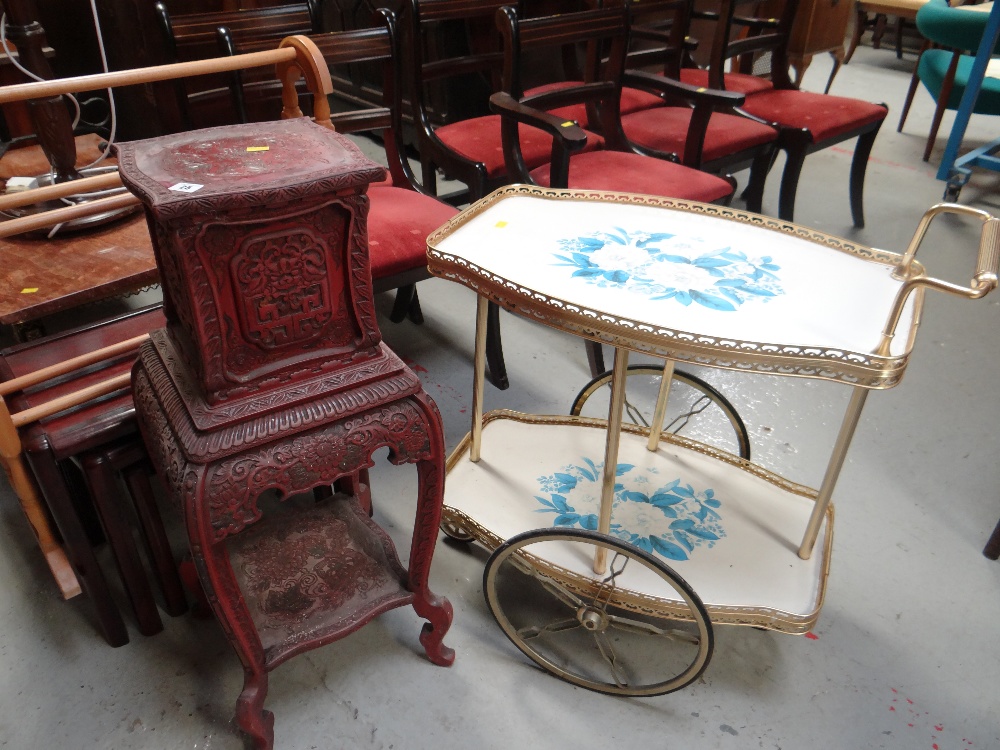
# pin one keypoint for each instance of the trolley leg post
(618, 378)
(847, 428)
(656, 427)
(479, 377)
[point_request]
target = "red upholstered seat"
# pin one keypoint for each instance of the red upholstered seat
(825, 117)
(479, 139)
(741, 83)
(618, 171)
(398, 224)
(665, 129)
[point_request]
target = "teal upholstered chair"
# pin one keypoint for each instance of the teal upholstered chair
(945, 71)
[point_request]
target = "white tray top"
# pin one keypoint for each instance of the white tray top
(682, 279)
(730, 531)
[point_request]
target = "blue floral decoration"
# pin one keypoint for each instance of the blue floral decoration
(664, 266)
(671, 520)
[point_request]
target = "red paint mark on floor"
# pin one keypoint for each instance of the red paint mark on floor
(909, 701)
(935, 746)
(892, 708)
(909, 725)
(812, 636)
(883, 162)
(894, 690)
(939, 727)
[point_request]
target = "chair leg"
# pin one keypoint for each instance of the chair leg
(942, 104)
(899, 37)
(401, 307)
(415, 314)
(992, 549)
(912, 91)
(796, 156)
(859, 166)
(78, 548)
(157, 546)
(595, 358)
(106, 496)
(860, 22)
(838, 60)
(494, 348)
(754, 192)
(880, 21)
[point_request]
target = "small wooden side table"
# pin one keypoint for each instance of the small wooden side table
(271, 376)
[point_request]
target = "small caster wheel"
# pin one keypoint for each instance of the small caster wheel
(593, 630)
(951, 192)
(456, 532)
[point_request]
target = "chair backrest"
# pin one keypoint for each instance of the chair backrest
(957, 27)
(453, 57)
(199, 36)
(658, 42)
(601, 36)
(760, 45)
(378, 46)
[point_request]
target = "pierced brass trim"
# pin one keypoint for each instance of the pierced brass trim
(759, 617)
(868, 370)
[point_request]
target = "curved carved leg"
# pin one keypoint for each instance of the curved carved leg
(226, 599)
(494, 348)
(858, 167)
(796, 153)
(595, 358)
(859, 28)
(437, 610)
(251, 718)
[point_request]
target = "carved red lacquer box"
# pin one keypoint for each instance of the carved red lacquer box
(270, 378)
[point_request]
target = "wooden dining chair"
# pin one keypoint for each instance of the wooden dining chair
(614, 167)
(401, 213)
(701, 127)
(808, 122)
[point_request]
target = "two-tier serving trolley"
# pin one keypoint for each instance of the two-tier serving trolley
(615, 547)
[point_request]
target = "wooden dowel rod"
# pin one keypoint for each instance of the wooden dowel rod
(70, 400)
(42, 89)
(62, 215)
(60, 190)
(84, 360)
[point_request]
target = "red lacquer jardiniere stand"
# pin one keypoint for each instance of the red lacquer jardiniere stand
(271, 376)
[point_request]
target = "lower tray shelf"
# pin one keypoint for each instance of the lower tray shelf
(729, 528)
(312, 575)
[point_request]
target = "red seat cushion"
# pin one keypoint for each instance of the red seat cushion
(398, 224)
(741, 83)
(637, 100)
(631, 173)
(665, 129)
(479, 139)
(825, 117)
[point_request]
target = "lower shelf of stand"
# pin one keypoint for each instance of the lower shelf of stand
(729, 528)
(315, 574)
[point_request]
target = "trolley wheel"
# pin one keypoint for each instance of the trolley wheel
(695, 409)
(456, 531)
(593, 631)
(951, 192)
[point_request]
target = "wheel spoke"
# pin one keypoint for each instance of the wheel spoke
(533, 631)
(644, 628)
(617, 673)
(548, 583)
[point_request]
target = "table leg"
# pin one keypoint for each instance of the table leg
(619, 377)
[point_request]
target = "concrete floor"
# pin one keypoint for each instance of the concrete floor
(905, 653)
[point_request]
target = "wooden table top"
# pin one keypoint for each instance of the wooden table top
(40, 277)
